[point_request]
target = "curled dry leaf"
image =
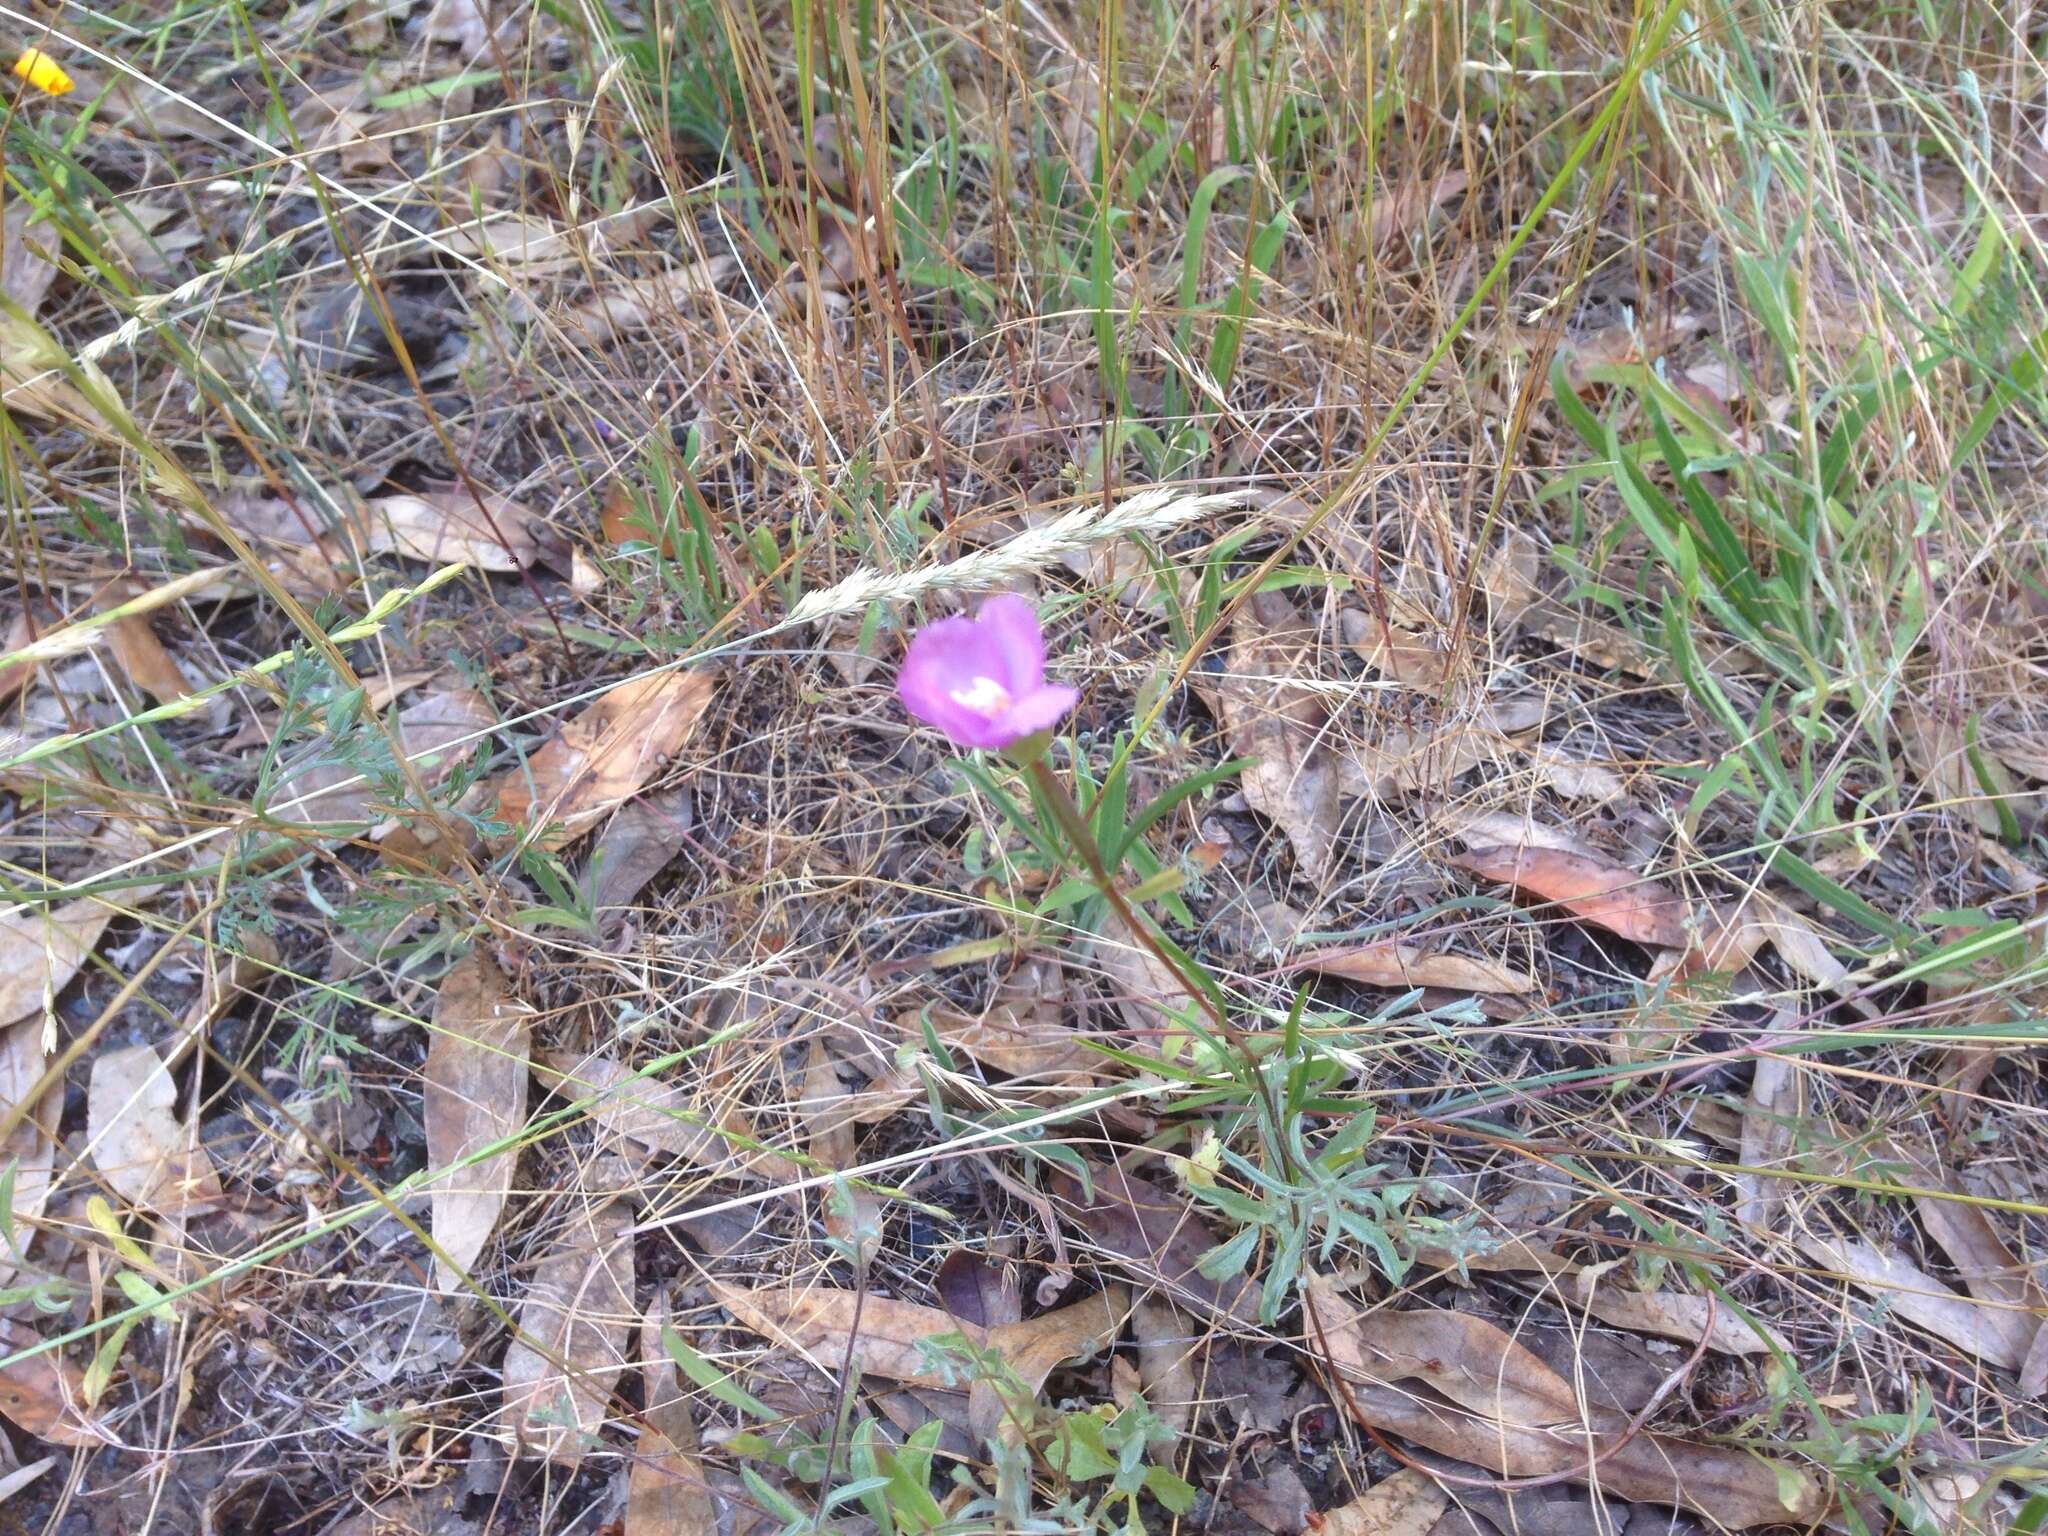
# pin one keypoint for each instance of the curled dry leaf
(1919, 1298)
(1294, 777)
(1596, 889)
(666, 1494)
(1406, 1504)
(139, 1147)
(661, 1115)
(571, 1346)
(44, 1394)
(1409, 965)
(605, 754)
(486, 530)
(1510, 1412)
(476, 1075)
(1156, 1235)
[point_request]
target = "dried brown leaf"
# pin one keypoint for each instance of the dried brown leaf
(145, 661)
(1672, 1315)
(666, 1494)
(637, 844)
(1988, 1269)
(604, 755)
(1402, 211)
(1409, 965)
(1918, 1297)
(885, 1337)
(476, 1075)
(1156, 1235)
(433, 1512)
(42, 948)
(1015, 1043)
(44, 1394)
(1594, 888)
(661, 1115)
(852, 1214)
(1406, 1504)
(1509, 1409)
(1770, 1123)
(1401, 655)
(28, 248)
(1956, 774)
(32, 1145)
(1170, 1345)
(1154, 1001)
(1038, 1346)
(978, 1290)
(488, 531)
(573, 1329)
(139, 1147)
(1294, 778)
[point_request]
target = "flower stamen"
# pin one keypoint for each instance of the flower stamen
(985, 696)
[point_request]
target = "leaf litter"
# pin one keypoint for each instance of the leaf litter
(781, 832)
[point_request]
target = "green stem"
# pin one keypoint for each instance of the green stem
(1075, 826)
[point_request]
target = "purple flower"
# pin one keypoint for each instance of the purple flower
(982, 680)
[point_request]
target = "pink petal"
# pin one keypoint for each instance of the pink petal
(1012, 624)
(944, 658)
(1039, 710)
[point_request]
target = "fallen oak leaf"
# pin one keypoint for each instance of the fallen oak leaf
(558, 1387)
(1602, 892)
(475, 1097)
(605, 754)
